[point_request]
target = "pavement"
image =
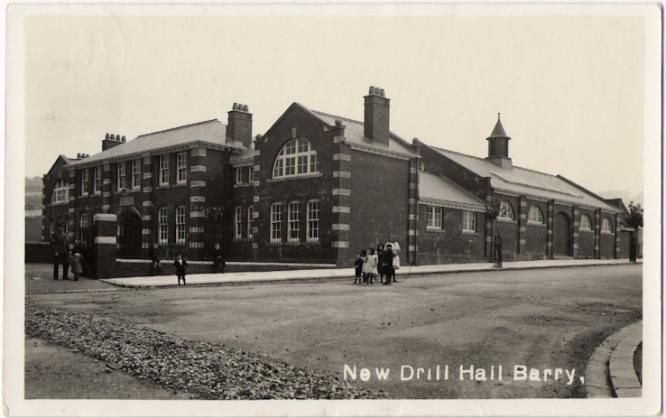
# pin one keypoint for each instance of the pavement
(240, 278)
(621, 365)
(610, 371)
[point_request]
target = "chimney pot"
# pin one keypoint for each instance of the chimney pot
(371, 90)
(123, 138)
(239, 125)
(381, 92)
(338, 123)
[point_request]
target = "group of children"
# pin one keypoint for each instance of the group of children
(382, 263)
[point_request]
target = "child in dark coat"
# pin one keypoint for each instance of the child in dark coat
(181, 266)
(358, 268)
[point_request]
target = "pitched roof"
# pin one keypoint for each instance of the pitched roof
(211, 132)
(436, 189)
(528, 182)
(354, 133)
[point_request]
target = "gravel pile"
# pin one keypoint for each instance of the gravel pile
(210, 371)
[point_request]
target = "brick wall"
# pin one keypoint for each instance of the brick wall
(450, 244)
(585, 238)
(379, 201)
(295, 123)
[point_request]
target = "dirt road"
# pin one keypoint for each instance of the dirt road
(537, 318)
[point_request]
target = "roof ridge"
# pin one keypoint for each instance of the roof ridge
(178, 127)
(483, 159)
(337, 116)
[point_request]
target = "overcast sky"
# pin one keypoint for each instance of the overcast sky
(570, 89)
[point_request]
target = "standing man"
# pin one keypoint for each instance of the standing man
(218, 258)
(59, 245)
(498, 250)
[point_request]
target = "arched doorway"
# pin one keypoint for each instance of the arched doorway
(562, 235)
(129, 234)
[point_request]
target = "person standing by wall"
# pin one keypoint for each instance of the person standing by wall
(497, 245)
(218, 258)
(155, 268)
(59, 245)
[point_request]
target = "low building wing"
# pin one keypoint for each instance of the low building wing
(438, 190)
(522, 181)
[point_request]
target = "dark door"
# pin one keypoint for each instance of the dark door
(562, 235)
(129, 235)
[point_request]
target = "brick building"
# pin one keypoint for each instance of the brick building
(318, 188)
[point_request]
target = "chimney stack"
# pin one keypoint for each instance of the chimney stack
(376, 121)
(498, 146)
(111, 140)
(239, 125)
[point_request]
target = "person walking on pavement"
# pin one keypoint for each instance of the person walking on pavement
(498, 250)
(59, 246)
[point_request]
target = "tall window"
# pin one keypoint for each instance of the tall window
(85, 181)
(121, 176)
(60, 193)
(434, 216)
(250, 216)
(276, 222)
(469, 221)
(313, 221)
(251, 176)
(294, 222)
(505, 211)
(295, 158)
(181, 167)
(163, 226)
(239, 175)
(181, 225)
(136, 174)
(84, 224)
(606, 226)
(97, 179)
(164, 169)
(535, 216)
(238, 222)
(585, 223)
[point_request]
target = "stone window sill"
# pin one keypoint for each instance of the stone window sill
(587, 231)
(239, 185)
(537, 224)
(435, 230)
(506, 221)
(296, 177)
(470, 233)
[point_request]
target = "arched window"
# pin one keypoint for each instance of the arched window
(606, 226)
(296, 158)
(585, 223)
(60, 193)
(535, 216)
(505, 211)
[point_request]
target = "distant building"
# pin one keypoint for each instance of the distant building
(319, 188)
